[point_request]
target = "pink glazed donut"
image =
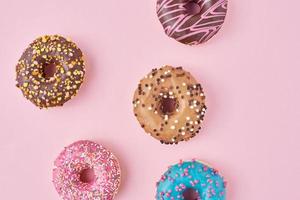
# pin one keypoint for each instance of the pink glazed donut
(87, 171)
(191, 21)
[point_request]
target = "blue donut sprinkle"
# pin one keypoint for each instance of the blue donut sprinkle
(205, 181)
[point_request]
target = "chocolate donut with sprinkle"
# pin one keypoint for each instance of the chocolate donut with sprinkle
(50, 71)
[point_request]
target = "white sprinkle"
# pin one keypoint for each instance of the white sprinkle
(188, 118)
(149, 108)
(176, 121)
(184, 84)
(172, 127)
(182, 133)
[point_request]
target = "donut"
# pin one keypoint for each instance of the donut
(50, 71)
(86, 170)
(191, 22)
(169, 104)
(191, 180)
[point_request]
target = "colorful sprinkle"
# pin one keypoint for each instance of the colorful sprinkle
(79, 157)
(191, 176)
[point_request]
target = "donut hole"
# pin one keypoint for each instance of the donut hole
(87, 176)
(192, 7)
(168, 105)
(190, 194)
(49, 69)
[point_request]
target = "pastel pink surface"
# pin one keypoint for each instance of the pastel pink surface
(249, 70)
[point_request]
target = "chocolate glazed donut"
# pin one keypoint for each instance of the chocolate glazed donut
(191, 26)
(50, 71)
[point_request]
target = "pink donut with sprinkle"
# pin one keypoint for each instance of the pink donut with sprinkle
(86, 170)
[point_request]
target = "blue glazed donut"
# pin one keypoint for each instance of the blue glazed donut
(191, 180)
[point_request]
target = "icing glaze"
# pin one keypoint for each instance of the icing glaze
(78, 158)
(191, 175)
(189, 28)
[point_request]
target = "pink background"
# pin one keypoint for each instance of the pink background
(250, 73)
